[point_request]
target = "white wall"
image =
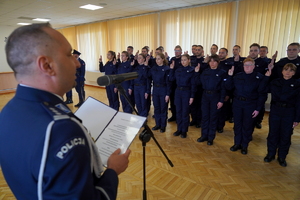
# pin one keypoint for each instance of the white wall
(5, 31)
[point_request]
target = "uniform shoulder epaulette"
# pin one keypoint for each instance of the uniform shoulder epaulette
(259, 75)
(57, 112)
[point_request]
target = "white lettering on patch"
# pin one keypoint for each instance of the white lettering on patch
(68, 146)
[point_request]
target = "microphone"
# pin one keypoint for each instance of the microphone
(116, 78)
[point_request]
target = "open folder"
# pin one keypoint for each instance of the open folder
(109, 128)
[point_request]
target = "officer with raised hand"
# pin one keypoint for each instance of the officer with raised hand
(249, 97)
(51, 155)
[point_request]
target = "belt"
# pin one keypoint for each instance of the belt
(242, 98)
(211, 91)
(159, 85)
(138, 84)
(283, 105)
(183, 88)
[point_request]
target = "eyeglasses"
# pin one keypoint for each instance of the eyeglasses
(177, 51)
(248, 65)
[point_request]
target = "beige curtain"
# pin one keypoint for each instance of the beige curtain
(273, 23)
(70, 34)
(205, 25)
(136, 31)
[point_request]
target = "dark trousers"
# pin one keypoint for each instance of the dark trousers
(125, 105)
(160, 106)
(243, 121)
(80, 90)
(140, 101)
(113, 98)
(195, 108)
(182, 98)
(172, 99)
(280, 130)
(209, 115)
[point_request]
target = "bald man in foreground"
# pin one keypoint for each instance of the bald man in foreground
(45, 152)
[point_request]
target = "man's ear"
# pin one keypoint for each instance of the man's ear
(45, 64)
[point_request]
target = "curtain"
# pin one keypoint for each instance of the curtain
(272, 23)
(70, 34)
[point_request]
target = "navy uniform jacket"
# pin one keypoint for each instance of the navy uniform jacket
(261, 65)
(214, 80)
(80, 72)
(185, 78)
(142, 79)
(195, 61)
(125, 67)
(238, 65)
(160, 77)
(109, 68)
(68, 172)
(286, 92)
(250, 87)
(177, 62)
(277, 70)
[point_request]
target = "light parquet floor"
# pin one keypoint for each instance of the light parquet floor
(201, 171)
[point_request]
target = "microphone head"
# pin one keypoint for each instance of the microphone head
(103, 81)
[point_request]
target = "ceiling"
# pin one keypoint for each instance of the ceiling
(64, 13)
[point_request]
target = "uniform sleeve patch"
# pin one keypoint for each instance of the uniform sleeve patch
(68, 146)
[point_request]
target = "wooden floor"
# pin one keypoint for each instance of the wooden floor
(201, 171)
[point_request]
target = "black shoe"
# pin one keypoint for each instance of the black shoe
(183, 135)
(282, 162)
(258, 125)
(192, 123)
(269, 158)
(162, 129)
(68, 101)
(172, 119)
(79, 104)
(244, 150)
(155, 128)
(210, 142)
(220, 130)
(201, 139)
(235, 147)
(177, 133)
(230, 120)
(198, 125)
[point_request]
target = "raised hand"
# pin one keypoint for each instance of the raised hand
(197, 69)
(206, 58)
(100, 58)
(132, 63)
(118, 55)
(230, 72)
(166, 55)
(172, 65)
(115, 62)
(151, 53)
(275, 55)
(147, 60)
(186, 52)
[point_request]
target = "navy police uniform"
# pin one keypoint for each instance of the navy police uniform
(125, 67)
(186, 88)
(213, 84)
(177, 65)
(161, 89)
(277, 70)
(46, 153)
(141, 86)
(285, 109)
(249, 95)
(113, 98)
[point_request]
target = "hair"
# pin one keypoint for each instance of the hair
(162, 48)
(264, 47)
(158, 48)
(25, 44)
(146, 47)
(290, 66)
(130, 47)
(143, 56)
(225, 49)
(194, 45)
(113, 55)
(254, 45)
(249, 60)
(178, 47)
(214, 57)
(295, 44)
(200, 46)
(126, 53)
(238, 46)
(215, 46)
(164, 58)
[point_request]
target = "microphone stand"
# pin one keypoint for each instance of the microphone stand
(145, 137)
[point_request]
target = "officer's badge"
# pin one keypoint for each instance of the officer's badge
(292, 85)
(257, 77)
(297, 64)
(217, 74)
(163, 69)
(257, 65)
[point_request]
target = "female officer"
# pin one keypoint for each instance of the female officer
(184, 93)
(110, 68)
(125, 67)
(161, 91)
(284, 114)
(249, 97)
(212, 80)
(140, 85)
